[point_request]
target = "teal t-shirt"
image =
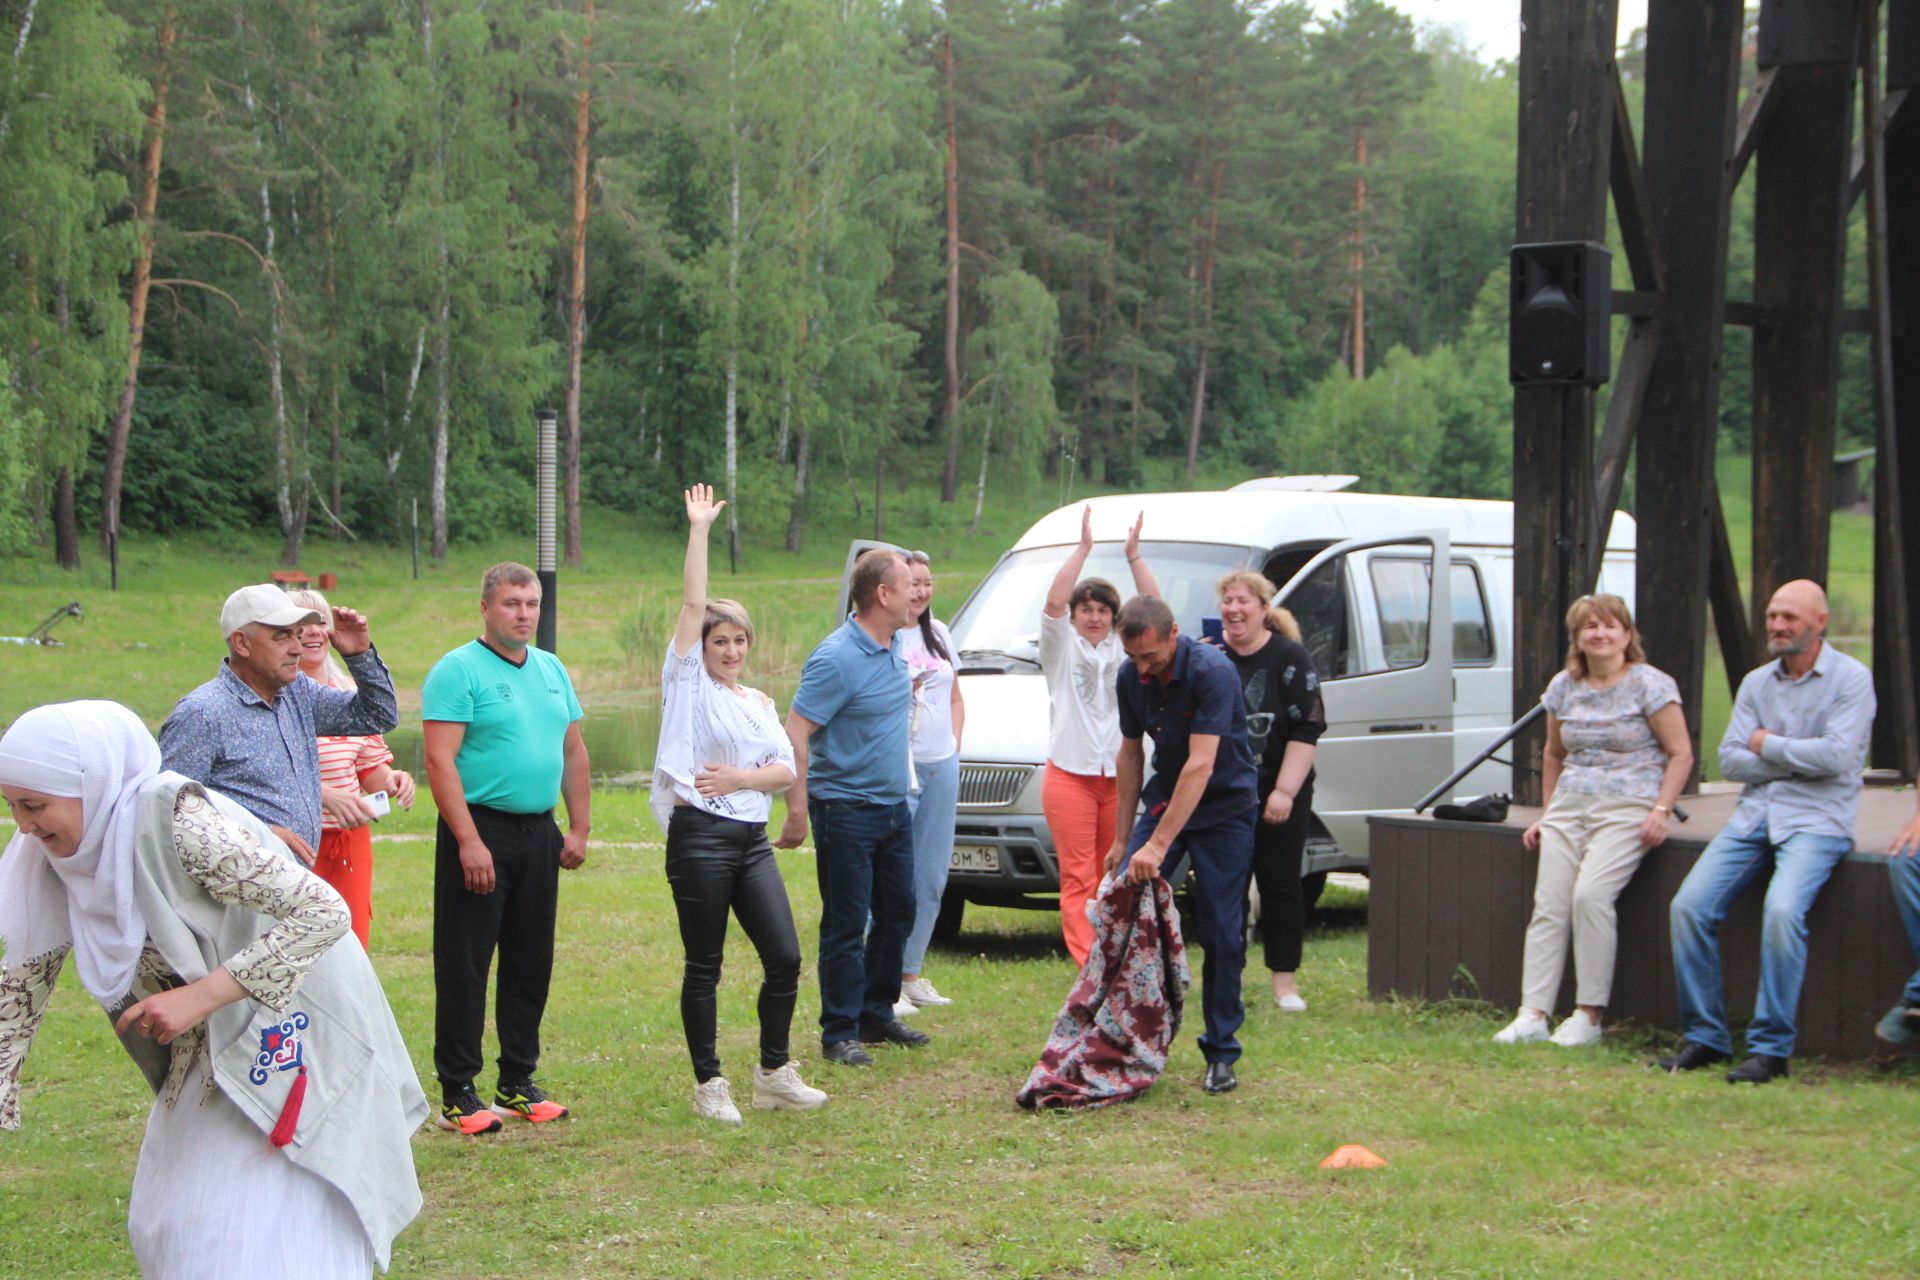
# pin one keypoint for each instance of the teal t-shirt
(516, 716)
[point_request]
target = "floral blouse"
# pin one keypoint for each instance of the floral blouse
(233, 867)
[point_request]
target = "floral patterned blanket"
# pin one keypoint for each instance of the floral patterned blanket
(1110, 1042)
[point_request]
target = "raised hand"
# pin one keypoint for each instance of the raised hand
(1086, 528)
(1133, 537)
(350, 635)
(702, 510)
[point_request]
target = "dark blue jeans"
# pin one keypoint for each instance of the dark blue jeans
(1222, 858)
(863, 854)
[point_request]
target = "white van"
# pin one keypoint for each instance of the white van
(1416, 681)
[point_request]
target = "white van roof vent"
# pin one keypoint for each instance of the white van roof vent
(1297, 484)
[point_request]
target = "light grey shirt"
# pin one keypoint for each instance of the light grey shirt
(1806, 778)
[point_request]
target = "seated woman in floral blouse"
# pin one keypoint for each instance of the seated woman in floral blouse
(278, 1141)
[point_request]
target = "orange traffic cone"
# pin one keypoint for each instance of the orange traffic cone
(1353, 1156)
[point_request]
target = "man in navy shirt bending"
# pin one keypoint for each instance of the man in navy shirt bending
(1199, 803)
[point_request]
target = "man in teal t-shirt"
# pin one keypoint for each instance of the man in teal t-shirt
(503, 744)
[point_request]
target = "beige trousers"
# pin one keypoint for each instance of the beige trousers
(1589, 849)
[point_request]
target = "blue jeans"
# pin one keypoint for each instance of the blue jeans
(933, 809)
(1730, 866)
(863, 855)
(1905, 874)
(1222, 855)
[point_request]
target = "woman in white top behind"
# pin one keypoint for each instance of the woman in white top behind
(1080, 655)
(939, 715)
(1617, 755)
(723, 751)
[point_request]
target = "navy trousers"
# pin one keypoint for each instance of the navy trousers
(1221, 854)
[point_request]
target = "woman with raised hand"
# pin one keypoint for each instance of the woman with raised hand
(1080, 655)
(939, 715)
(349, 768)
(1617, 755)
(279, 1140)
(1284, 722)
(723, 752)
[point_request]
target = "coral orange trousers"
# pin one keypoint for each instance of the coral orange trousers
(1080, 816)
(346, 863)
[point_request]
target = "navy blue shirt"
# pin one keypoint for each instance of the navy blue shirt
(1201, 694)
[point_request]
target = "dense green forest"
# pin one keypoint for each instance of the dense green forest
(298, 264)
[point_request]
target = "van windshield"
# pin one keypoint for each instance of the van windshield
(1004, 613)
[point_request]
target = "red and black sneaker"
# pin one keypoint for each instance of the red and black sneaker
(525, 1100)
(464, 1113)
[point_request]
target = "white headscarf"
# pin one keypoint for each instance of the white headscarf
(100, 753)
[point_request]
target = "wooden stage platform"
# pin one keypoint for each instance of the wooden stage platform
(1448, 904)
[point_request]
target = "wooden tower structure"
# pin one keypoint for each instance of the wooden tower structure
(1827, 126)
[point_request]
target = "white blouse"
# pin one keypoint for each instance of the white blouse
(1085, 734)
(932, 693)
(704, 722)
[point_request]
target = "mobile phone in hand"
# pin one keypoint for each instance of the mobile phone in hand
(1211, 631)
(379, 804)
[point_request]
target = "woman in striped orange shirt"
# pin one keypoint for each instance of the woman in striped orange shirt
(349, 768)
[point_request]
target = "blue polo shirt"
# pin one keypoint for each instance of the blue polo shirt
(860, 694)
(1201, 694)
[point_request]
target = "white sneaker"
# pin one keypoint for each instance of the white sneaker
(921, 993)
(1576, 1031)
(1526, 1028)
(714, 1101)
(905, 1008)
(782, 1089)
(1291, 1003)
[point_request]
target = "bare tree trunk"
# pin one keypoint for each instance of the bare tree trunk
(733, 308)
(289, 462)
(577, 297)
(19, 49)
(879, 495)
(980, 489)
(335, 528)
(406, 408)
(1209, 254)
(66, 526)
(802, 478)
(950, 416)
(443, 311)
(112, 477)
(1360, 259)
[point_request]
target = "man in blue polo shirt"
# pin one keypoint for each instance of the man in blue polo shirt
(849, 725)
(1199, 803)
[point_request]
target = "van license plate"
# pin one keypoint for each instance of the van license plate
(975, 857)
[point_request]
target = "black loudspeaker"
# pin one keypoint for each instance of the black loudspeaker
(1561, 303)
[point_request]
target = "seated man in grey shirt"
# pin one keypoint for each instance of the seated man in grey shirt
(1798, 740)
(252, 732)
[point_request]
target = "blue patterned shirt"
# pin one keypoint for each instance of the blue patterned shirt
(266, 755)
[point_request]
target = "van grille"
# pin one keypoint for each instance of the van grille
(988, 786)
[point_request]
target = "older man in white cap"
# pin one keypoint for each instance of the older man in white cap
(252, 732)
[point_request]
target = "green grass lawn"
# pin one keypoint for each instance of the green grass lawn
(1536, 1161)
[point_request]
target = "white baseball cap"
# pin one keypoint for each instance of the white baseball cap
(265, 604)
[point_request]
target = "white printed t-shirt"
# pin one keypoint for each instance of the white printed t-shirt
(704, 722)
(932, 693)
(1084, 737)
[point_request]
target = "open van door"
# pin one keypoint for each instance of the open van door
(1381, 637)
(855, 549)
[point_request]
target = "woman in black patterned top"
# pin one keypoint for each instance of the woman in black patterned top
(1284, 723)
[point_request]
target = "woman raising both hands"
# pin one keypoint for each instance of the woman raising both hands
(723, 751)
(1080, 655)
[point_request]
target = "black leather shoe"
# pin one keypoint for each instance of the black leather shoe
(895, 1032)
(1758, 1069)
(1691, 1057)
(1219, 1078)
(847, 1053)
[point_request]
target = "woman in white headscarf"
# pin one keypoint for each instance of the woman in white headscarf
(278, 1142)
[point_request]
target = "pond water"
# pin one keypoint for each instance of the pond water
(621, 735)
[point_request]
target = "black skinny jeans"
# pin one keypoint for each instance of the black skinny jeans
(715, 865)
(1277, 851)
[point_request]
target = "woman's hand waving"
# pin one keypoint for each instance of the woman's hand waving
(702, 510)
